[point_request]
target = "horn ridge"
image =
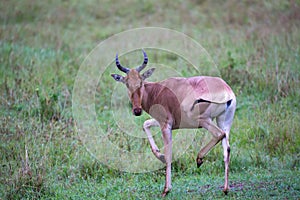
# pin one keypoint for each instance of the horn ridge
(120, 67)
(140, 68)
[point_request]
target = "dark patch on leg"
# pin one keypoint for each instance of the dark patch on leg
(228, 149)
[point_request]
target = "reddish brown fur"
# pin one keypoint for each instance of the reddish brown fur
(157, 94)
(182, 103)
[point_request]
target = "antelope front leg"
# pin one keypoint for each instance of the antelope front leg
(218, 135)
(167, 137)
(147, 125)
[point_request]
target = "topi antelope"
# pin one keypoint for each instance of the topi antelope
(177, 103)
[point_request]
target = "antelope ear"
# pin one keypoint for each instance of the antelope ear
(147, 73)
(118, 78)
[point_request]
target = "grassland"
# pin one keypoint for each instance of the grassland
(256, 45)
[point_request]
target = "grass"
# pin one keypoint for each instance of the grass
(42, 44)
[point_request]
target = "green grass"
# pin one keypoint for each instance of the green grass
(42, 44)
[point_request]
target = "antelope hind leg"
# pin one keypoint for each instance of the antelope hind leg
(224, 122)
(218, 135)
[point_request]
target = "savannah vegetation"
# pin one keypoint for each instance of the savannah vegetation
(255, 44)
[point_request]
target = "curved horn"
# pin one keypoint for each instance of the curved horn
(140, 68)
(120, 67)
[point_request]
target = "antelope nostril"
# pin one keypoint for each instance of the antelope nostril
(137, 111)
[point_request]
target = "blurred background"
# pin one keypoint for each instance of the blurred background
(255, 45)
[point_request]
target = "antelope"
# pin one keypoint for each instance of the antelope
(177, 103)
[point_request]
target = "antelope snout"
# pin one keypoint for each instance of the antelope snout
(137, 111)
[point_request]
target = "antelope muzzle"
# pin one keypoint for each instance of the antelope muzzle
(136, 103)
(137, 111)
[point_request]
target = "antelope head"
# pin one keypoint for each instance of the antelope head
(134, 82)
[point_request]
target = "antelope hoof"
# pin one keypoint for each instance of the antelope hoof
(199, 162)
(166, 191)
(225, 191)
